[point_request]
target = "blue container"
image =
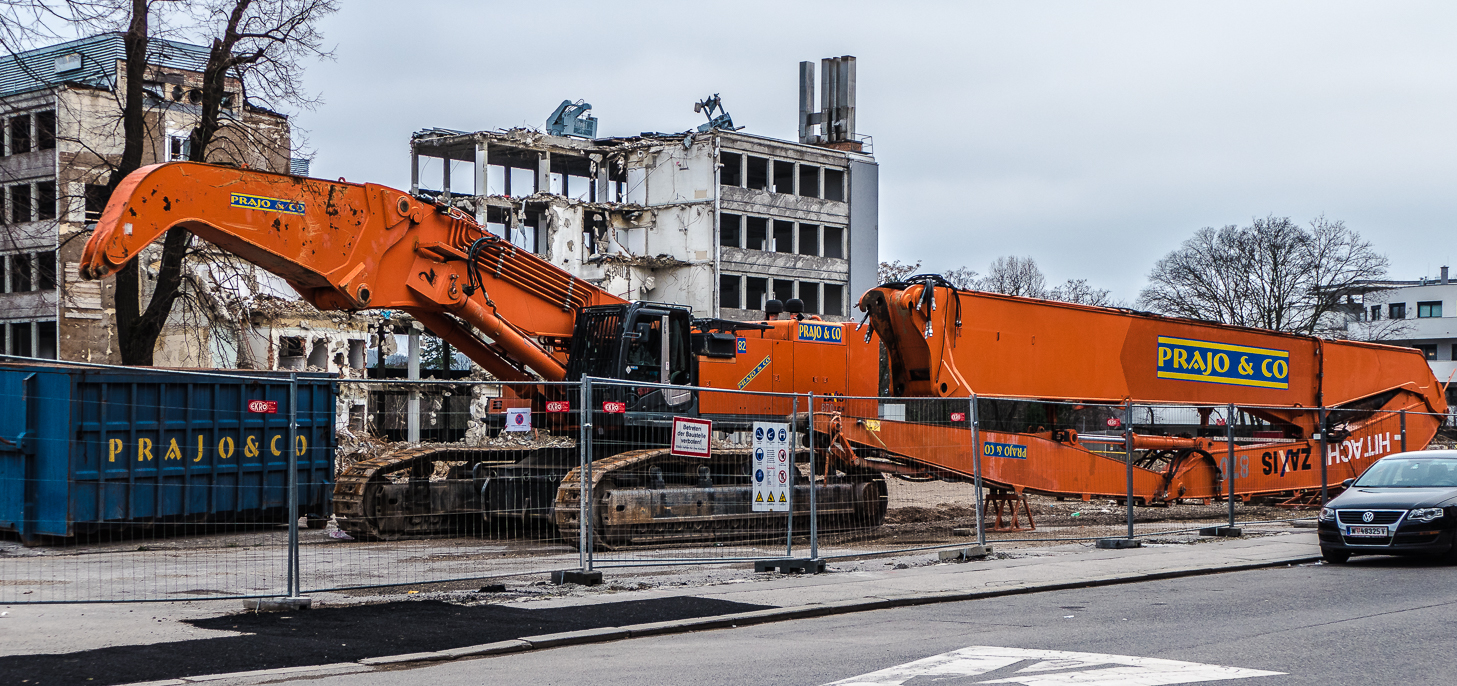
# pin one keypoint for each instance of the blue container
(85, 448)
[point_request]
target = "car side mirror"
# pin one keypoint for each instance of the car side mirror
(1347, 483)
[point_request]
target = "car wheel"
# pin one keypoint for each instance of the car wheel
(1334, 556)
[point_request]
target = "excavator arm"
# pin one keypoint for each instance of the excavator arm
(347, 246)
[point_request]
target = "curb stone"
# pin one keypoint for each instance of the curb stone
(740, 619)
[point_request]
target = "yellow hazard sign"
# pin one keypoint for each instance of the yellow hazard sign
(781, 498)
(759, 498)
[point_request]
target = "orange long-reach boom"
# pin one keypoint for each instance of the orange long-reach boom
(943, 342)
(347, 246)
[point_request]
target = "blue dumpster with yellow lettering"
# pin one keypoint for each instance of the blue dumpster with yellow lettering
(88, 448)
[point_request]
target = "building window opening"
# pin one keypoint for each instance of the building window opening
(834, 242)
(45, 271)
(1428, 310)
(356, 353)
(178, 147)
(45, 205)
(809, 292)
(291, 352)
(1430, 350)
(758, 233)
(835, 185)
(20, 273)
(728, 230)
(45, 130)
(20, 203)
(728, 291)
(809, 181)
(783, 177)
(95, 201)
(757, 173)
(20, 339)
(4, 284)
(1397, 310)
(783, 236)
(754, 291)
(730, 172)
(45, 340)
(319, 354)
(809, 239)
(834, 300)
(1375, 313)
(20, 135)
(1454, 352)
(783, 290)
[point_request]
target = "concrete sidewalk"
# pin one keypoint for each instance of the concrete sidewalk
(850, 586)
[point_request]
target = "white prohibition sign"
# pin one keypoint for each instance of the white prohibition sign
(1051, 668)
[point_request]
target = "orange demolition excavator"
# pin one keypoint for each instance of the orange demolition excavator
(347, 246)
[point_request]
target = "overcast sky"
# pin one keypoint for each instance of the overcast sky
(1091, 136)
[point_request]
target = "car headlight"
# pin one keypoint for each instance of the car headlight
(1327, 514)
(1425, 514)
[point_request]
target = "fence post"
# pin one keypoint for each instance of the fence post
(1324, 458)
(981, 523)
(1128, 450)
(1229, 436)
(584, 523)
(1403, 431)
(412, 371)
(793, 450)
(292, 481)
(814, 524)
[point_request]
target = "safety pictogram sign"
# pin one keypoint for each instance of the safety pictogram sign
(771, 467)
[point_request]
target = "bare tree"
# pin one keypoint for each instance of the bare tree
(1078, 291)
(1273, 274)
(892, 272)
(260, 45)
(963, 278)
(1015, 276)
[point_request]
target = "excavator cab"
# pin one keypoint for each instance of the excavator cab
(643, 342)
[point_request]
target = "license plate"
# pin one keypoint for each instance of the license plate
(1366, 531)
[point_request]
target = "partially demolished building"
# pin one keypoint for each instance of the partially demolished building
(717, 219)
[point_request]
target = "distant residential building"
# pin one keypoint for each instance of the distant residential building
(1421, 314)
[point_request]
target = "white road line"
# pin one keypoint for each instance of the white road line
(1052, 668)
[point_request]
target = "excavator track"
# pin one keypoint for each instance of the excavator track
(640, 497)
(392, 496)
(651, 497)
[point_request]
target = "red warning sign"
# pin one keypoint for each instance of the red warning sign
(611, 407)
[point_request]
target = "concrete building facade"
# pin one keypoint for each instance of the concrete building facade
(1421, 314)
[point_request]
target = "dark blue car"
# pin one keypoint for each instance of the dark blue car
(1404, 504)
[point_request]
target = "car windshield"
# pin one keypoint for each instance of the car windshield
(1411, 473)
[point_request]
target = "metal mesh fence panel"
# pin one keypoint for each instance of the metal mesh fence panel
(127, 485)
(693, 475)
(440, 481)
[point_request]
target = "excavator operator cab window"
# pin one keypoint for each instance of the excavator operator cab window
(647, 349)
(644, 351)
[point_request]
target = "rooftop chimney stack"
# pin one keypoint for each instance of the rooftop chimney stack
(1444, 276)
(836, 118)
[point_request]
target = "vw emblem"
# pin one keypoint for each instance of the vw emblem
(1367, 517)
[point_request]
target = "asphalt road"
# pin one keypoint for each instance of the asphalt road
(1373, 621)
